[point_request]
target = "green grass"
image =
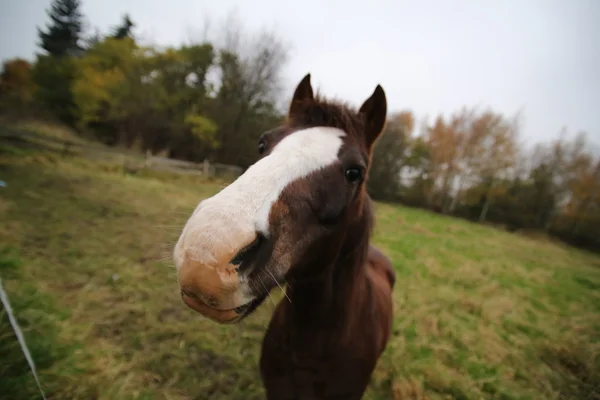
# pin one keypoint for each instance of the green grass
(479, 313)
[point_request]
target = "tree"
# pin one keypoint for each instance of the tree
(132, 95)
(180, 76)
(551, 172)
(416, 165)
(16, 85)
(471, 130)
(384, 182)
(583, 181)
(203, 129)
(63, 33)
(53, 79)
(124, 30)
(114, 90)
(54, 72)
(444, 142)
(495, 154)
(243, 101)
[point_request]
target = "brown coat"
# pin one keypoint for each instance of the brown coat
(311, 351)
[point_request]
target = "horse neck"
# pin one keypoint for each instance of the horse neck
(326, 300)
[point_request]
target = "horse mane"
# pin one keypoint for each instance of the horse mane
(327, 112)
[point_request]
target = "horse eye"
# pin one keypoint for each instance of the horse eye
(261, 146)
(353, 175)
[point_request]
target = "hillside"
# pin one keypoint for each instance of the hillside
(85, 258)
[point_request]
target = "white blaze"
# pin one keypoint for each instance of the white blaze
(243, 208)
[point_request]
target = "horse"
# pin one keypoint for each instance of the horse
(300, 216)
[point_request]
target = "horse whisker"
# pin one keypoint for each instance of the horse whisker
(268, 293)
(286, 295)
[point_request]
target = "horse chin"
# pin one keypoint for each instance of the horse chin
(219, 316)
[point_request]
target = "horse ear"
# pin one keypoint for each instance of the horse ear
(374, 110)
(303, 93)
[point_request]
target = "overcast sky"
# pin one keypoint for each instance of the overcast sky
(430, 56)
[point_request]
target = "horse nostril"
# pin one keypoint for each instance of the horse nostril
(243, 259)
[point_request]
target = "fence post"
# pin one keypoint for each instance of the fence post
(206, 168)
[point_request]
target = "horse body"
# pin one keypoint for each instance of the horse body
(329, 353)
(301, 217)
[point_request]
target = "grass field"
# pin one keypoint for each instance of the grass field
(480, 313)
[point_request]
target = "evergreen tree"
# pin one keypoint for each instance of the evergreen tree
(63, 33)
(124, 30)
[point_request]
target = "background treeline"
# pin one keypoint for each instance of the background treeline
(211, 99)
(200, 100)
(473, 164)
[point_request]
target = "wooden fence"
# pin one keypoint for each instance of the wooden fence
(129, 160)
